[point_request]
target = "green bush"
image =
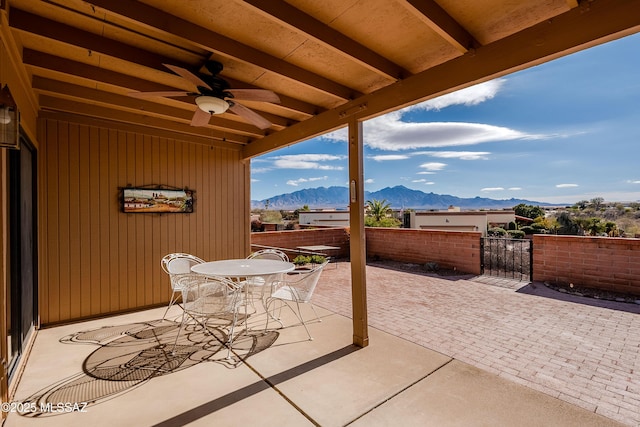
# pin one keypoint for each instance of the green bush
(302, 260)
(516, 234)
(317, 259)
(527, 229)
(497, 232)
(305, 259)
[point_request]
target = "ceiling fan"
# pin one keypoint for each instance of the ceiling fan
(215, 96)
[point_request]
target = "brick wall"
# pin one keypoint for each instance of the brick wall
(595, 262)
(450, 249)
(290, 239)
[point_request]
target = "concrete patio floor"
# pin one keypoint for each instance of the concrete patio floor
(580, 350)
(430, 362)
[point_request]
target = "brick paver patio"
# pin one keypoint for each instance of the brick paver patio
(580, 350)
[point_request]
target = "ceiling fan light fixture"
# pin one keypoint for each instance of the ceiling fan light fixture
(212, 105)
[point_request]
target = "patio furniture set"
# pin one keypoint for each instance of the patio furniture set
(224, 290)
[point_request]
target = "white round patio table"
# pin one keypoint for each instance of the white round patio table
(241, 269)
(238, 268)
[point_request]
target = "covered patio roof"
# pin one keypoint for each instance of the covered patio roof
(329, 62)
(309, 67)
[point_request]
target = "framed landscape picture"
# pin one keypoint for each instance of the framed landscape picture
(157, 200)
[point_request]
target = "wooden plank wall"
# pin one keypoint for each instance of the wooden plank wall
(96, 260)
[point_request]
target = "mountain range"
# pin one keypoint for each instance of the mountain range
(399, 197)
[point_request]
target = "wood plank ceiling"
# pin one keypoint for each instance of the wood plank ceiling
(328, 60)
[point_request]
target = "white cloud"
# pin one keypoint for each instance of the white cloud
(514, 188)
(307, 161)
(492, 189)
(296, 182)
(368, 181)
(260, 170)
(566, 185)
(462, 155)
(426, 173)
(633, 182)
(255, 180)
(423, 181)
(390, 132)
(433, 166)
(385, 157)
(473, 95)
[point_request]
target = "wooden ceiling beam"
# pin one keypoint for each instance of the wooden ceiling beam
(28, 22)
(90, 110)
(79, 69)
(442, 23)
(577, 29)
(56, 88)
(43, 27)
(301, 22)
(135, 128)
(145, 15)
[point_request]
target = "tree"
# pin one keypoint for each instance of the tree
(582, 204)
(378, 209)
(528, 211)
(566, 225)
(378, 215)
(271, 217)
(596, 202)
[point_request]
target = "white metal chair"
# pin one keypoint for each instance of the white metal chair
(295, 289)
(269, 254)
(256, 285)
(207, 298)
(177, 265)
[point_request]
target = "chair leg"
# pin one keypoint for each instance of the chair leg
(175, 343)
(298, 314)
(315, 312)
(174, 299)
(302, 320)
(271, 316)
(231, 331)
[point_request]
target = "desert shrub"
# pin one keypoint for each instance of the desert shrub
(497, 232)
(317, 259)
(527, 229)
(516, 234)
(302, 260)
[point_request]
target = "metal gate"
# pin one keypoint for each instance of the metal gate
(509, 258)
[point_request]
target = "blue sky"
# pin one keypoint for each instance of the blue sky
(561, 132)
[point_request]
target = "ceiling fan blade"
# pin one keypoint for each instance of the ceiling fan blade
(200, 118)
(188, 75)
(250, 115)
(255, 95)
(160, 93)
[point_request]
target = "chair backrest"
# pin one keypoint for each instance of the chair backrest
(179, 263)
(269, 254)
(209, 296)
(303, 286)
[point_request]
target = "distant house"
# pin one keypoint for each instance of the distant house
(328, 218)
(455, 220)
